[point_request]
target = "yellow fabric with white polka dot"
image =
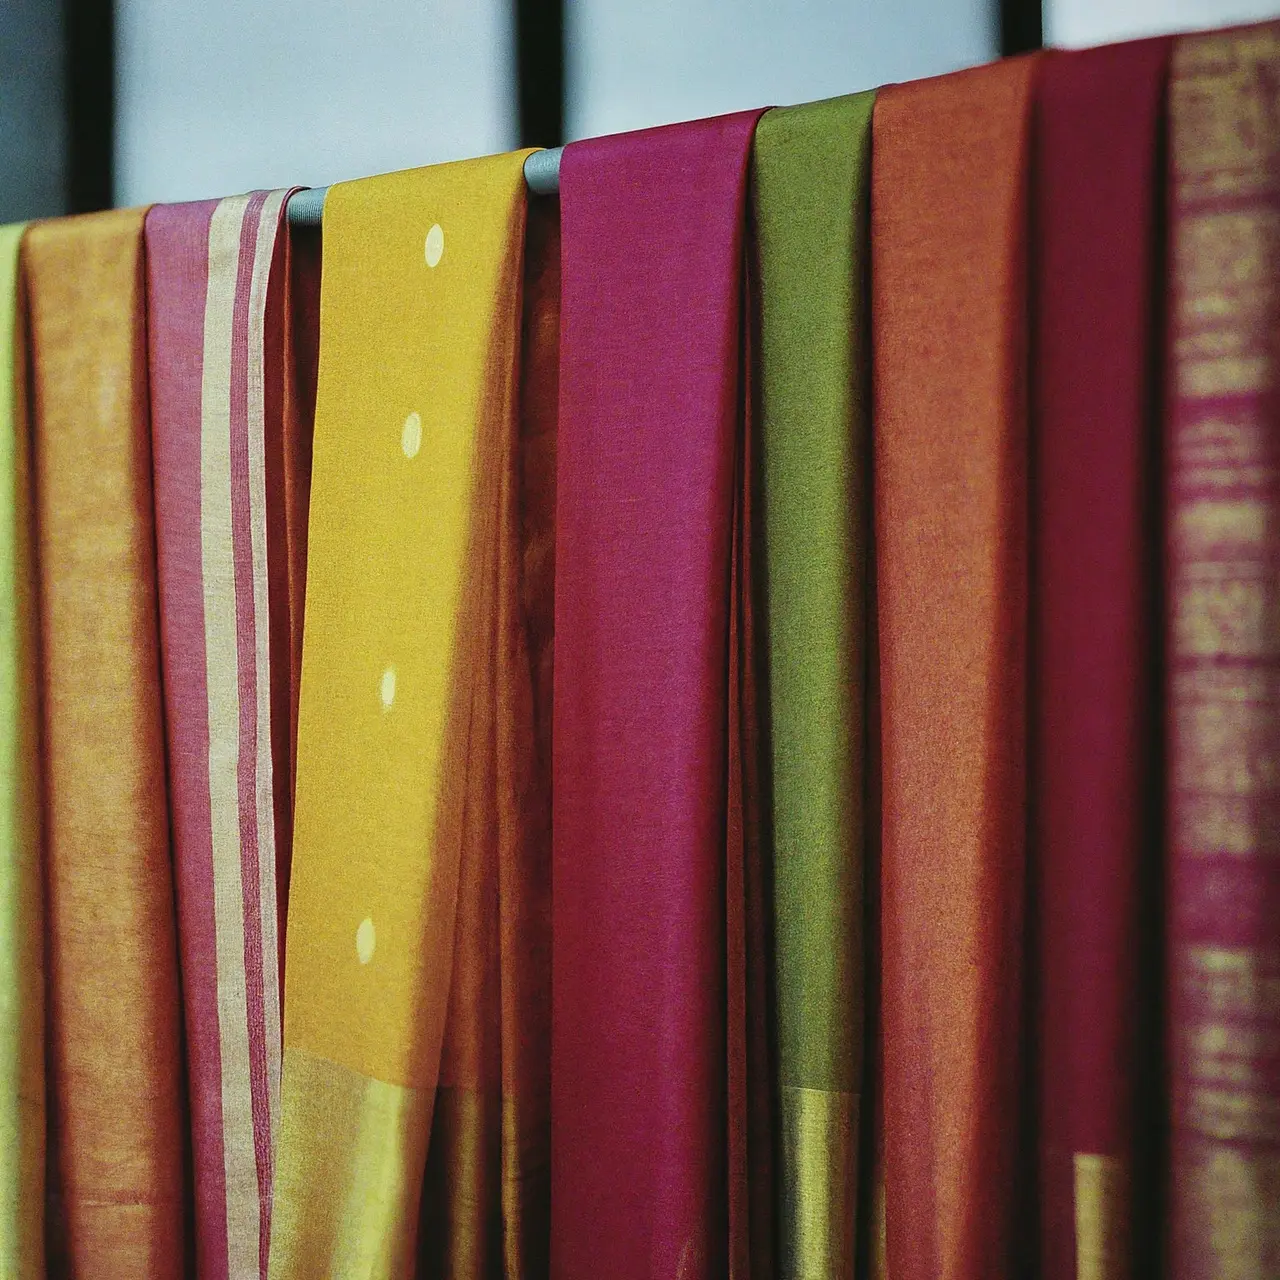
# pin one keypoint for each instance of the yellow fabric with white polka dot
(419, 360)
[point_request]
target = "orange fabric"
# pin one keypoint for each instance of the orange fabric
(115, 1076)
(486, 1200)
(948, 240)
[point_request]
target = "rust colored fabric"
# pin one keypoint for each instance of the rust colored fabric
(114, 1012)
(486, 1202)
(948, 245)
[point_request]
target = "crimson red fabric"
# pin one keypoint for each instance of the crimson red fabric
(650, 420)
(1098, 190)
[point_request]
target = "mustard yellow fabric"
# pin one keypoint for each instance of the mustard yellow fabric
(22, 1112)
(419, 362)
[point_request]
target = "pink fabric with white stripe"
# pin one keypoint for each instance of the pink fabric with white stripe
(215, 278)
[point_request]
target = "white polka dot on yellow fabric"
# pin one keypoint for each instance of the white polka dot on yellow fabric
(388, 690)
(366, 940)
(435, 245)
(411, 435)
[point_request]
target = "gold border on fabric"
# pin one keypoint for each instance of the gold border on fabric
(880, 1242)
(346, 1204)
(819, 1142)
(1102, 1217)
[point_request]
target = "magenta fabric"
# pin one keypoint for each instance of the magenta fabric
(1099, 188)
(650, 420)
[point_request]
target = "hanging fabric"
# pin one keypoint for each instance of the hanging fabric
(748, 1021)
(486, 1197)
(218, 313)
(415, 729)
(748, 1014)
(301, 356)
(1223, 454)
(948, 250)
(650, 425)
(812, 176)
(116, 1097)
(22, 1084)
(1097, 259)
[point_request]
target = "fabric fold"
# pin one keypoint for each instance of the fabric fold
(647, 459)
(949, 339)
(486, 1198)
(116, 1097)
(218, 313)
(748, 917)
(415, 720)
(22, 973)
(1097, 255)
(812, 183)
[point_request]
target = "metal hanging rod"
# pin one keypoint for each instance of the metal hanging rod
(541, 173)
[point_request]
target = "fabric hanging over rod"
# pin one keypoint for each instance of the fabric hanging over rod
(541, 175)
(722, 724)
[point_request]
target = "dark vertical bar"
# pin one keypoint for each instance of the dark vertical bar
(540, 71)
(1021, 26)
(89, 26)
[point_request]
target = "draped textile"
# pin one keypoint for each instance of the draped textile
(486, 1198)
(22, 1099)
(650, 420)
(948, 249)
(218, 307)
(1098, 193)
(749, 1037)
(415, 733)
(115, 1085)
(301, 359)
(812, 176)
(1222, 502)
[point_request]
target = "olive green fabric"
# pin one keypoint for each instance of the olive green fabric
(21, 953)
(812, 173)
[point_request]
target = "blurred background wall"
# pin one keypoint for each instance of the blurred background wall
(33, 144)
(218, 96)
(632, 63)
(1076, 23)
(130, 101)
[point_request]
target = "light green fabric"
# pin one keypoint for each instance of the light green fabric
(21, 949)
(812, 175)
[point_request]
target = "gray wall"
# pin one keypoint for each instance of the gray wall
(217, 96)
(640, 62)
(220, 96)
(32, 126)
(1074, 23)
